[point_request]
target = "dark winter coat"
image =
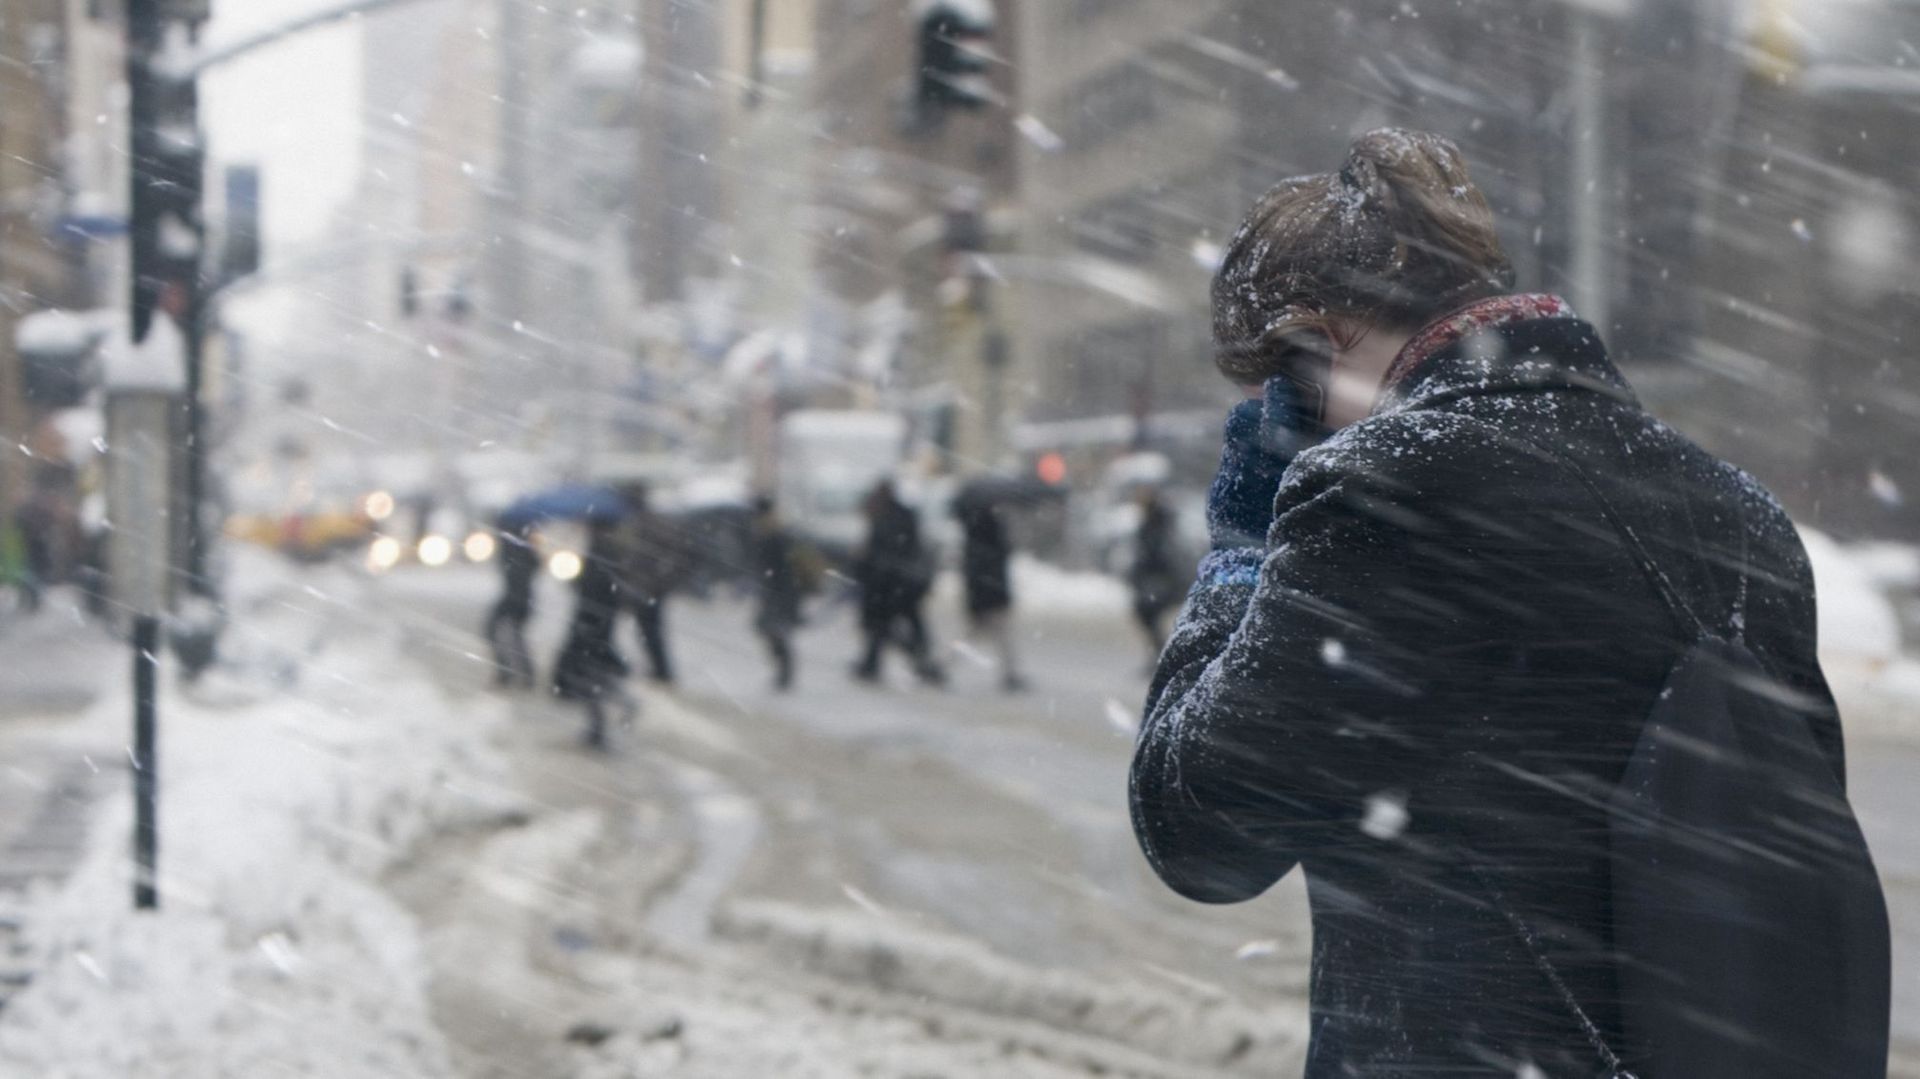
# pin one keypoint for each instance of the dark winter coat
(894, 570)
(519, 565)
(651, 555)
(589, 663)
(777, 571)
(1441, 660)
(984, 556)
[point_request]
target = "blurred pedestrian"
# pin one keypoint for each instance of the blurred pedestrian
(652, 559)
(506, 627)
(1158, 574)
(894, 572)
(985, 556)
(780, 574)
(591, 669)
(39, 521)
(1422, 656)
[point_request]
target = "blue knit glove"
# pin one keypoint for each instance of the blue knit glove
(1262, 436)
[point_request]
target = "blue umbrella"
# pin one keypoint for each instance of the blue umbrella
(573, 502)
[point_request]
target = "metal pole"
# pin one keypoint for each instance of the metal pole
(756, 54)
(1592, 248)
(146, 763)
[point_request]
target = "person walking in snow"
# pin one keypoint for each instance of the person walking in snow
(506, 627)
(1456, 569)
(590, 669)
(780, 574)
(894, 573)
(1156, 575)
(986, 555)
(651, 561)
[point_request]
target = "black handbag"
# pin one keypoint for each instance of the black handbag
(1749, 923)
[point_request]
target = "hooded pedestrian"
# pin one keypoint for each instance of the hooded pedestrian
(1459, 574)
(894, 572)
(985, 571)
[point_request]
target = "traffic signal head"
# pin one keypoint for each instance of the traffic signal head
(954, 55)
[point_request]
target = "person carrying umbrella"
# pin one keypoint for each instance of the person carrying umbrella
(517, 524)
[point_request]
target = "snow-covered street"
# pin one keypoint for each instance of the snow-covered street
(376, 865)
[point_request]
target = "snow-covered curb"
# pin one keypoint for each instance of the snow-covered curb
(276, 952)
(909, 961)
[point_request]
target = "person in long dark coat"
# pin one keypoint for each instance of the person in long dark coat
(1156, 576)
(986, 555)
(506, 627)
(590, 668)
(781, 588)
(1419, 655)
(894, 572)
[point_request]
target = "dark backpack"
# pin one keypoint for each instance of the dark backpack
(1748, 920)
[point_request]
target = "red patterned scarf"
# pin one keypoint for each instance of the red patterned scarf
(1495, 311)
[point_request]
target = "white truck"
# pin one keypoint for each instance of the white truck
(828, 461)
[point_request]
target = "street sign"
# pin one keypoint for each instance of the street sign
(144, 383)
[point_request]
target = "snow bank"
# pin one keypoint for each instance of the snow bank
(1876, 684)
(1046, 589)
(1856, 621)
(275, 952)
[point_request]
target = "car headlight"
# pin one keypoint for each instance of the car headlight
(383, 554)
(434, 550)
(565, 565)
(379, 505)
(479, 546)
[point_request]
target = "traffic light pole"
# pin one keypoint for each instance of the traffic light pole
(145, 29)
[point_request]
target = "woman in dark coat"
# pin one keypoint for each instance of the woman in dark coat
(1419, 655)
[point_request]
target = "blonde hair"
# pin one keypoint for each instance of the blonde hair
(1396, 238)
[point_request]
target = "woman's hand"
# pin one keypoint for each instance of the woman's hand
(1262, 436)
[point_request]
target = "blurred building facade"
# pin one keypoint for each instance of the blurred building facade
(1706, 181)
(63, 194)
